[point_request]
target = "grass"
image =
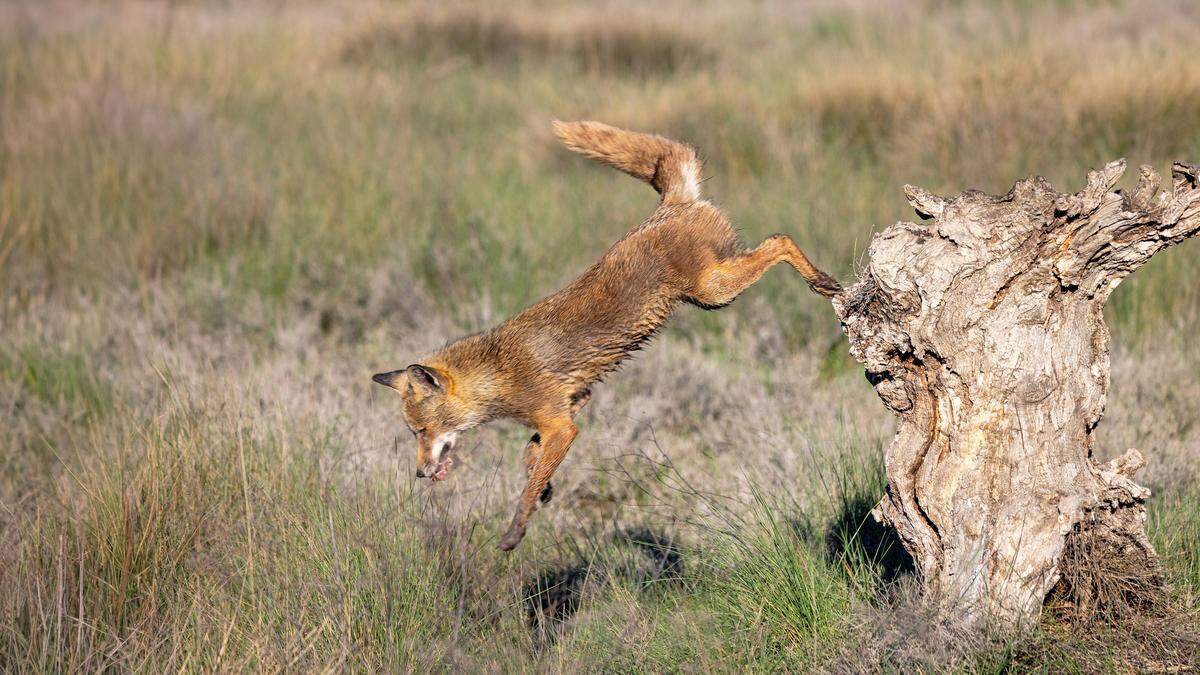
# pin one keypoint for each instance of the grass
(216, 221)
(1176, 536)
(611, 46)
(61, 378)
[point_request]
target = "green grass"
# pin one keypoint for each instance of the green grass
(296, 180)
(196, 543)
(203, 545)
(780, 594)
(1175, 531)
(62, 378)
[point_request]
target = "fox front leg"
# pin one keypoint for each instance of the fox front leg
(556, 437)
(533, 449)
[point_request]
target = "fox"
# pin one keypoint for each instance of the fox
(539, 366)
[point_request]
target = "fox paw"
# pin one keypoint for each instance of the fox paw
(511, 538)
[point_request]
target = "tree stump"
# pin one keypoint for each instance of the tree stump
(982, 329)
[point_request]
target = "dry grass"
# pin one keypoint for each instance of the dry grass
(1103, 579)
(595, 43)
(217, 220)
(131, 157)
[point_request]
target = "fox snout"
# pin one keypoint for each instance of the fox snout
(437, 460)
(388, 379)
(435, 471)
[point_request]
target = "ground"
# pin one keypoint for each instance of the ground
(217, 220)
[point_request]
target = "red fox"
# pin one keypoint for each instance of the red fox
(539, 366)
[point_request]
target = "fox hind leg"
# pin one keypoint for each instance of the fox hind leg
(720, 284)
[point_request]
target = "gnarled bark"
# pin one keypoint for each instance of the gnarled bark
(982, 328)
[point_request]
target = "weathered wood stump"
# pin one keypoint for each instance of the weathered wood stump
(982, 329)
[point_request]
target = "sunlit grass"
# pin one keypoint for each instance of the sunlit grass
(265, 151)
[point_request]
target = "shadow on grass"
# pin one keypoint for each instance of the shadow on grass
(645, 559)
(553, 595)
(853, 533)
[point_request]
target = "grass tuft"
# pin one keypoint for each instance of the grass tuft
(63, 379)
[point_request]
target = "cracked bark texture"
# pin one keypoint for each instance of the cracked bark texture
(982, 329)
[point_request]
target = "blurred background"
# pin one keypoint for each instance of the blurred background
(217, 219)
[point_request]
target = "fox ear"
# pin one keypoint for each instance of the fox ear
(394, 379)
(424, 378)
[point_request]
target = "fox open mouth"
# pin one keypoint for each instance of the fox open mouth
(443, 468)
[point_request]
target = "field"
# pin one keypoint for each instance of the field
(217, 220)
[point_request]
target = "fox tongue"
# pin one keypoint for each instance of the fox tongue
(443, 468)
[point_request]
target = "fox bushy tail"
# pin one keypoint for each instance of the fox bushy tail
(672, 168)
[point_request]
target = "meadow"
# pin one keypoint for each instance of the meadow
(217, 220)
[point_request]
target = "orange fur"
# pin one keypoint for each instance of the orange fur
(538, 366)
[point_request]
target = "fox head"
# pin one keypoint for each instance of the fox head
(431, 412)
